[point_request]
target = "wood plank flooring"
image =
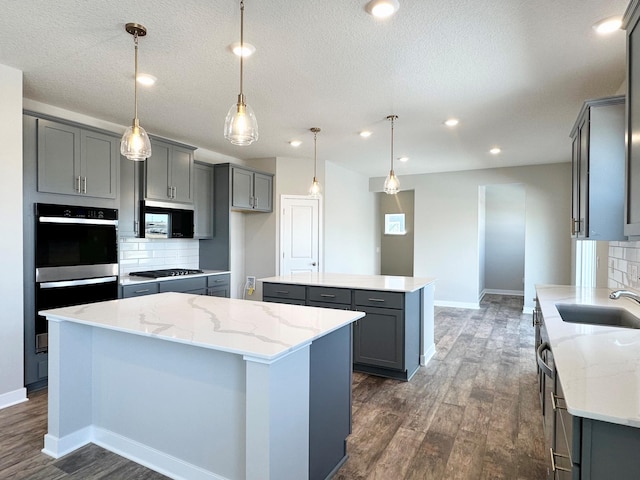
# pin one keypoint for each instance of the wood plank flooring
(472, 413)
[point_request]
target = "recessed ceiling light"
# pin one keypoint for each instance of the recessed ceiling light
(365, 133)
(146, 79)
(403, 159)
(608, 25)
(295, 143)
(495, 151)
(382, 8)
(451, 122)
(247, 49)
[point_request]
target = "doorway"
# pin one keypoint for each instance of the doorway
(502, 239)
(396, 244)
(300, 246)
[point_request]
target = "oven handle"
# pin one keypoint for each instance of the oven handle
(78, 283)
(85, 221)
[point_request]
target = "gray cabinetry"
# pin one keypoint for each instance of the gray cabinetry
(203, 204)
(130, 196)
(140, 289)
(219, 285)
(76, 161)
(251, 190)
(632, 121)
(386, 341)
(195, 285)
(169, 172)
(598, 170)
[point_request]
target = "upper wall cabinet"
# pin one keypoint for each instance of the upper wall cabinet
(632, 126)
(75, 161)
(251, 191)
(203, 205)
(598, 171)
(169, 172)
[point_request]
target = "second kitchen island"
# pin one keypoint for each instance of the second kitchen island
(394, 338)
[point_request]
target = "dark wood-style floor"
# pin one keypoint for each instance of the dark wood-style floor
(471, 413)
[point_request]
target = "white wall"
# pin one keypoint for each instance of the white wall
(11, 251)
(350, 234)
(482, 238)
(447, 222)
(505, 229)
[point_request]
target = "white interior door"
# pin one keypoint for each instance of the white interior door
(299, 234)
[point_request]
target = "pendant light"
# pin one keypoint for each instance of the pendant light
(392, 184)
(135, 144)
(314, 190)
(241, 126)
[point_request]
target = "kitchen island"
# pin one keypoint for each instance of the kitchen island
(397, 334)
(203, 387)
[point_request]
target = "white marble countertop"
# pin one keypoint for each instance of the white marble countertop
(256, 329)
(598, 366)
(133, 280)
(362, 282)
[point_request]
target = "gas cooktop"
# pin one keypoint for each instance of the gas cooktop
(168, 272)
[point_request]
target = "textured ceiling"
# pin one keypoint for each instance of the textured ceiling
(514, 72)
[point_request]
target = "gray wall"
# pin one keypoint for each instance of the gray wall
(396, 251)
(11, 251)
(447, 225)
(504, 239)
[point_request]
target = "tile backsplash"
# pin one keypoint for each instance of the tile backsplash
(624, 263)
(154, 254)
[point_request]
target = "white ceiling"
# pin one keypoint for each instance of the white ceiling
(514, 72)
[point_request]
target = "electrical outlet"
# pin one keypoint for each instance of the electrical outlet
(251, 283)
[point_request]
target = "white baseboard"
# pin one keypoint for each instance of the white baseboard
(527, 309)
(58, 447)
(13, 398)
(428, 355)
(150, 457)
(474, 306)
(515, 293)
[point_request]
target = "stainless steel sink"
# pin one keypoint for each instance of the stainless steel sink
(597, 315)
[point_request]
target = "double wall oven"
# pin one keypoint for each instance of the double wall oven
(76, 259)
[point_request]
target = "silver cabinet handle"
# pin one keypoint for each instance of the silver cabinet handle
(255, 202)
(135, 227)
(175, 192)
(142, 291)
(169, 191)
(327, 295)
(84, 184)
(541, 363)
(282, 292)
(379, 300)
(554, 402)
(555, 467)
(77, 189)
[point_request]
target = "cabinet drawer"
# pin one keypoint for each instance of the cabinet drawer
(282, 290)
(183, 284)
(139, 290)
(329, 295)
(336, 306)
(218, 280)
(371, 298)
(287, 301)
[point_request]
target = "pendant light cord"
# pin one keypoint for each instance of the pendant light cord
(241, 46)
(392, 118)
(315, 153)
(135, 77)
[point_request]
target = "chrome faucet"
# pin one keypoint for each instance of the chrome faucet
(624, 293)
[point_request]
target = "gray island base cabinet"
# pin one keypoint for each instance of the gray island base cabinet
(396, 335)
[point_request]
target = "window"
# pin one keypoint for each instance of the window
(394, 224)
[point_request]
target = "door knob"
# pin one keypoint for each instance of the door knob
(313, 264)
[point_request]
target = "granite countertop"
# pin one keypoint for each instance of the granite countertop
(361, 282)
(598, 366)
(133, 280)
(261, 330)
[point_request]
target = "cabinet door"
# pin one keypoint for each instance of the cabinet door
(583, 206)
(221, 291)
(99, 165)
(130, 185)
(575, 185)
(58, 158)
(146, 288)
(262, 192)
(203, 203)
(157, 172)
(241, 188)
(181, 178)
(632, 203)
(379, 338)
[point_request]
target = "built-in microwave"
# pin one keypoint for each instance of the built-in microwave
(165, 220)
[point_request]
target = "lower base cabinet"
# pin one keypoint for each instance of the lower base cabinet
(212, 285)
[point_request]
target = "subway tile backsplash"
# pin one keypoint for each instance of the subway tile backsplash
(154, 254)
(623, 256)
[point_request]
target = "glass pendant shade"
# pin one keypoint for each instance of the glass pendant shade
(391, 184)
(135, 144)
(241, 126)
(315, 189)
